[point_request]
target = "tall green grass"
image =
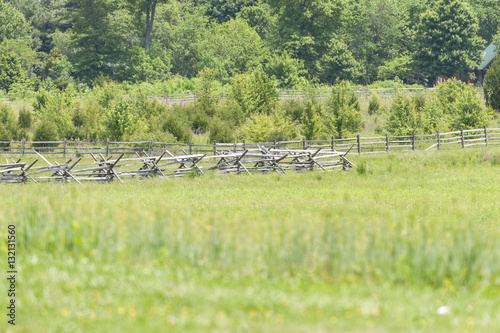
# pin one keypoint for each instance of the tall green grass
(427, 222)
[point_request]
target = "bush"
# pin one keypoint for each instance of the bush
(8, 123)
(294, 108)
(220, 131)
(344, 110)
(46, 130)
(448, 94)
(254, 93)
(492, 85)
(310, 123)
(177, 127)
(403, 118)
(120, 120)
(266, 128)
(25, 119)
(374, 104)
(470, 111)
(288, 72)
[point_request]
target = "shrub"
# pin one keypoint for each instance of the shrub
(254, 92)
(157, 136)
(220, 131)
(294, 108)
(448, 94)
(177, 127)
(231, 113)
(266, 128)
(8, 122)
(344, 110)
(285, 70)
(469, 111)
(46, 130)
(120, 120)
(374, 104)
(403, 118)
(207, 92)
(492, 85)
(25, 119)
(310, 123)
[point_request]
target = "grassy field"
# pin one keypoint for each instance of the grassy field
(406, 243)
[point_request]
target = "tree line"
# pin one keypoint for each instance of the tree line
(50, 44)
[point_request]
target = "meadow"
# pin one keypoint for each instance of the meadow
(405, 243)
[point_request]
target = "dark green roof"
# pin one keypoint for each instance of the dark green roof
(488, 55)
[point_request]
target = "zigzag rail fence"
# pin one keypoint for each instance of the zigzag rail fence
(161, 159)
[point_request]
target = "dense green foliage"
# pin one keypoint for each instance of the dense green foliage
(115, 53)
(492, 85)
(292, 41)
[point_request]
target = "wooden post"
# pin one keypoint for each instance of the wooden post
(64, 148)
(303, 143)
(244, 145)
(107, 147)
(387, 142)
(150, 150)
(462, 137)
(359, 144)
(333, 143)
(413, 140)
(190, 147)
(274, 144)
(485, 135)
(236, 144)
(24, 145)
(215, 147)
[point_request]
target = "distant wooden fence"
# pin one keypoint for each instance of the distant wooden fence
(294, 94)
(359, 145)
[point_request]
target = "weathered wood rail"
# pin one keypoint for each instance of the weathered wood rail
(360, 145)
(166, 164)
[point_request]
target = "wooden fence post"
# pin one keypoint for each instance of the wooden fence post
(438, 140)
(24, 145)
(485, 135)
(387, 142)
(215, 147)
(64, 148)
(274, 144)
(462, 137)
(333, 143)
(150, 150)
(244, 145)
(303, 143)
(359, 144)
(413, 141)
(235, 145)
(190, 147)
(107, 147)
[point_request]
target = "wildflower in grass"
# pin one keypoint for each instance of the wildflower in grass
(171, 320)
(443, 310)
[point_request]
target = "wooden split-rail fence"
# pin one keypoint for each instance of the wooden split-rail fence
(143, 166)
(360, 145)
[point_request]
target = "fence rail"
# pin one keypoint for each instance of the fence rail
(293, 94)
(285, 94)
(357, 145)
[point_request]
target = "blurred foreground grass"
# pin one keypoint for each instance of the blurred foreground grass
(378, 251)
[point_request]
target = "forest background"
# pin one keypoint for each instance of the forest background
(116, 53)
